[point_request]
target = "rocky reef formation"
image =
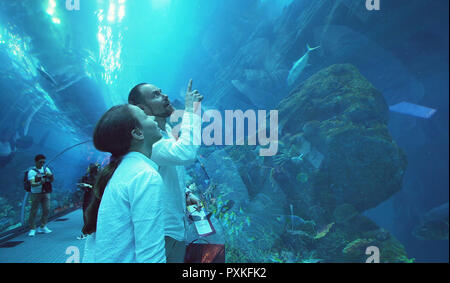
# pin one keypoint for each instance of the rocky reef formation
(399, 49)
(336, 159)
(338, 122)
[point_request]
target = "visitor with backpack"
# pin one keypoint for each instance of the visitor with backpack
(40, 180)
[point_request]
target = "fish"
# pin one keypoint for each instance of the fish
(323, 231)
(434, 224)
(413, 110)
(227, 206)
(4, 221)
(312, 260)
(276, 259)
(292, 215)
(232, 216)
(298, 159)
(299, 233)
(293, 219)
(299, 66)
(47, 76)
(247, 220)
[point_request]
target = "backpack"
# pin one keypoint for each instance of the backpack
(26, 182)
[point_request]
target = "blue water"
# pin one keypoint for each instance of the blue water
(79, 63)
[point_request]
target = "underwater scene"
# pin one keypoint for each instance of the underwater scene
(325, 122)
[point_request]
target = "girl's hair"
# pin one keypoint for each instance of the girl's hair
(112, 134)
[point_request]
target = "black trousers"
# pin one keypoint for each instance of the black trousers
(87, 197)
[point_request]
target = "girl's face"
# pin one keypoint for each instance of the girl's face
(149, 127)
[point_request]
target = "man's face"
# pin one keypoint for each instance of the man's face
(155, 103)
(40, 163)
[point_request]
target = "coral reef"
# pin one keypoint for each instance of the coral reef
(335, 160)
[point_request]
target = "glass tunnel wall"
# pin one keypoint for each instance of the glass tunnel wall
(362, 132)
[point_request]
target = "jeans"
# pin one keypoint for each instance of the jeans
(37, 199)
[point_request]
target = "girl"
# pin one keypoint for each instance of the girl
(124, 220)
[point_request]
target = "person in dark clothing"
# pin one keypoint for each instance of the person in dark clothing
(87, 183)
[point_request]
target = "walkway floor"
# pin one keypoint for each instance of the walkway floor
(60, 246)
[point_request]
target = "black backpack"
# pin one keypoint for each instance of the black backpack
(26, 182)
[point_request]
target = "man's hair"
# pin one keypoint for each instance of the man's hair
(135, 96)
(39, 157)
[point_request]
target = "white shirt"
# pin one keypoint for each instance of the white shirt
(130, 225)
(32, 173)
(172, 155)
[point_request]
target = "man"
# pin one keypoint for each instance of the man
(40, 178)
(87, 185)
(171, 155)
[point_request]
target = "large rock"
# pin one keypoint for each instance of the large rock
(345, 119)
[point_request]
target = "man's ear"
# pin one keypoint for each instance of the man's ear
(137, 134)
(146, 109)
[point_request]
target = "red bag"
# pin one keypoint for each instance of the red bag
(204, 253)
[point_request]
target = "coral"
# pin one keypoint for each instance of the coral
(392, 251)
(302, 177)
(311, 128)
(382, 235)
(344, 120)
(336, 159)
(344, 213)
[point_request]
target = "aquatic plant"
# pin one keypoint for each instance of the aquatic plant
(302, 177)
(310, 257)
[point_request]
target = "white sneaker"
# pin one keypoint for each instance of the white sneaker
(82, 237)
(44, 230)
(32, 233)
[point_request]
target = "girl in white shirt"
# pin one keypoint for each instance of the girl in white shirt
(125, 219)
